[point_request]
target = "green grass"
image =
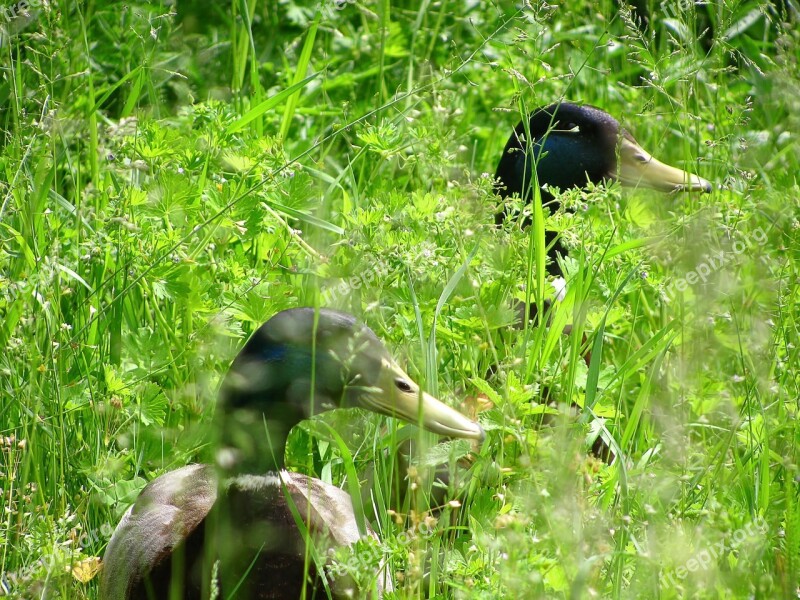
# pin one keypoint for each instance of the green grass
(171, 177)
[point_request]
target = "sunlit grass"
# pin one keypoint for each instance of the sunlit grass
(156, 206)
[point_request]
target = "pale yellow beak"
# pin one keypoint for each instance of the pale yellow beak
(638, 168)
(396, 395)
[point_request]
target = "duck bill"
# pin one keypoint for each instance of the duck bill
(639, 169)
(398, 396)
(437, 417)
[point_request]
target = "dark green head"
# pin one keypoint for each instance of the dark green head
(571, 145)
(302, 362)
(294, 349)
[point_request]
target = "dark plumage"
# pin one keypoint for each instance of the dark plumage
(186, 526)
(570, 145)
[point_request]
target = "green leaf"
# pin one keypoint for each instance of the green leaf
(268, 104)
(443, 453)
(152, 405)
(114, 383)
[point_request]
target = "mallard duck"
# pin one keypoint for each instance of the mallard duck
(575, 144)
(567, 146)
(186, 528)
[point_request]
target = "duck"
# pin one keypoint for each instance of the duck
(246, 525)
(569, 145)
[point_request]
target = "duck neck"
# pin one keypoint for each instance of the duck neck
(253, 441)
(261, 403)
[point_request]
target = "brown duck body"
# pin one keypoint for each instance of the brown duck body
(163, 539)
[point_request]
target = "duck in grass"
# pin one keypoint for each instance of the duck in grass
(566, 146)
(247, 528)
(569, 145)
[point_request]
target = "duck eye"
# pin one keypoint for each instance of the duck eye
(403, 385)
(570, 127)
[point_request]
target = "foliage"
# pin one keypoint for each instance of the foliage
(172, 174)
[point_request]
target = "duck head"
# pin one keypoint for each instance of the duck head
(569, 145)
(304, 361)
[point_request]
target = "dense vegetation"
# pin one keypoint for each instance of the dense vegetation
(172, 174)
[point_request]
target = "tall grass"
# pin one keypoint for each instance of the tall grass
(173, 175)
